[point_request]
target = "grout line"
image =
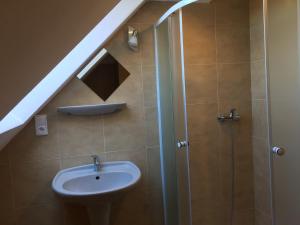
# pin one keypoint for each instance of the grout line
(59, 142)
(103, 134)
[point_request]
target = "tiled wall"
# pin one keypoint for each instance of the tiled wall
(261, 159)
(28, 163)
(217, 58)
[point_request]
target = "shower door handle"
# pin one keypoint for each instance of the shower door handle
(278, 151)
(182, 144)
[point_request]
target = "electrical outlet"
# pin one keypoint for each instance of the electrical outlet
(41, 126)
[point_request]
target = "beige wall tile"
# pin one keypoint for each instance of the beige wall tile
(233, 44)
(151, 12)
(199, 44)
(244, 217)
(124, 130)
(155, 194)
(201, 84)
(243, 128)
(75, 215)
(152, 132)
(202, 121)
(258, 79)
(256, 12)
(88, 141)
(32, 183)
(257, 42)
(204, 170)
(80, 160)
(125, 211)
(132, 209)
(262, 219)
(199, 34)
(147, 44)
(262, 194)
(27, 147)
(231, 12)
(149, 86)
(240, 170)
(154, 169)
(261, 176)
(40, 215)
(131, 90)
(118, 47)
(259, 119)
(260, 157)
(199, 14)
(74, 93)
(234, 82)
(212, 218)
(156, 210)
(244, 192)
(7, 219)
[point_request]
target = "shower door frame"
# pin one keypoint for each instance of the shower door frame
(275, 202)
(182, 156)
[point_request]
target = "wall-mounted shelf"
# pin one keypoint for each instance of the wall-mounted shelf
(91, 110)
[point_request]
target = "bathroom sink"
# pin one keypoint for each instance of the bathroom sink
(96, 186)
(84, 181)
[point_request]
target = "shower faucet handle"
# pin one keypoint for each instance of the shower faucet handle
(182, 144)
(232, 116)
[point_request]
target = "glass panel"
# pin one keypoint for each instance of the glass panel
(172, 116)
(283, 56)
(180, 122)
(167, 126)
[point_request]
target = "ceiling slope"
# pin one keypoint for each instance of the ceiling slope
(46, 89)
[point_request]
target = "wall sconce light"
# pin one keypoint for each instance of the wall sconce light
(133, 41)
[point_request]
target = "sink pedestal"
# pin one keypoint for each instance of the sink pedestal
(99, 214)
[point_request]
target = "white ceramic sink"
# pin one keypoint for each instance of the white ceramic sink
(85, 181)
(96, 190)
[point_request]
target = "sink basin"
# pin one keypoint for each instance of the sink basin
(96, 190)
(84, 181)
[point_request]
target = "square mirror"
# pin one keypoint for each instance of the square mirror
(103, 74)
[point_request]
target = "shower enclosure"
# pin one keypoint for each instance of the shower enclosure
(207, 167)
(206, 178)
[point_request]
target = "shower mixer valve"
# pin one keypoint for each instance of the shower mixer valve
(233, 115)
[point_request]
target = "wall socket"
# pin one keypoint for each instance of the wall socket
(41, 125)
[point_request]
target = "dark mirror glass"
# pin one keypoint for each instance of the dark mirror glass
(104, 74)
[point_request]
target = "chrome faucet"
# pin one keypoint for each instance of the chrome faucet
(232, 116)
(96, 161)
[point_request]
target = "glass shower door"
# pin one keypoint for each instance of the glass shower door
(172, 120)
(284, 75)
